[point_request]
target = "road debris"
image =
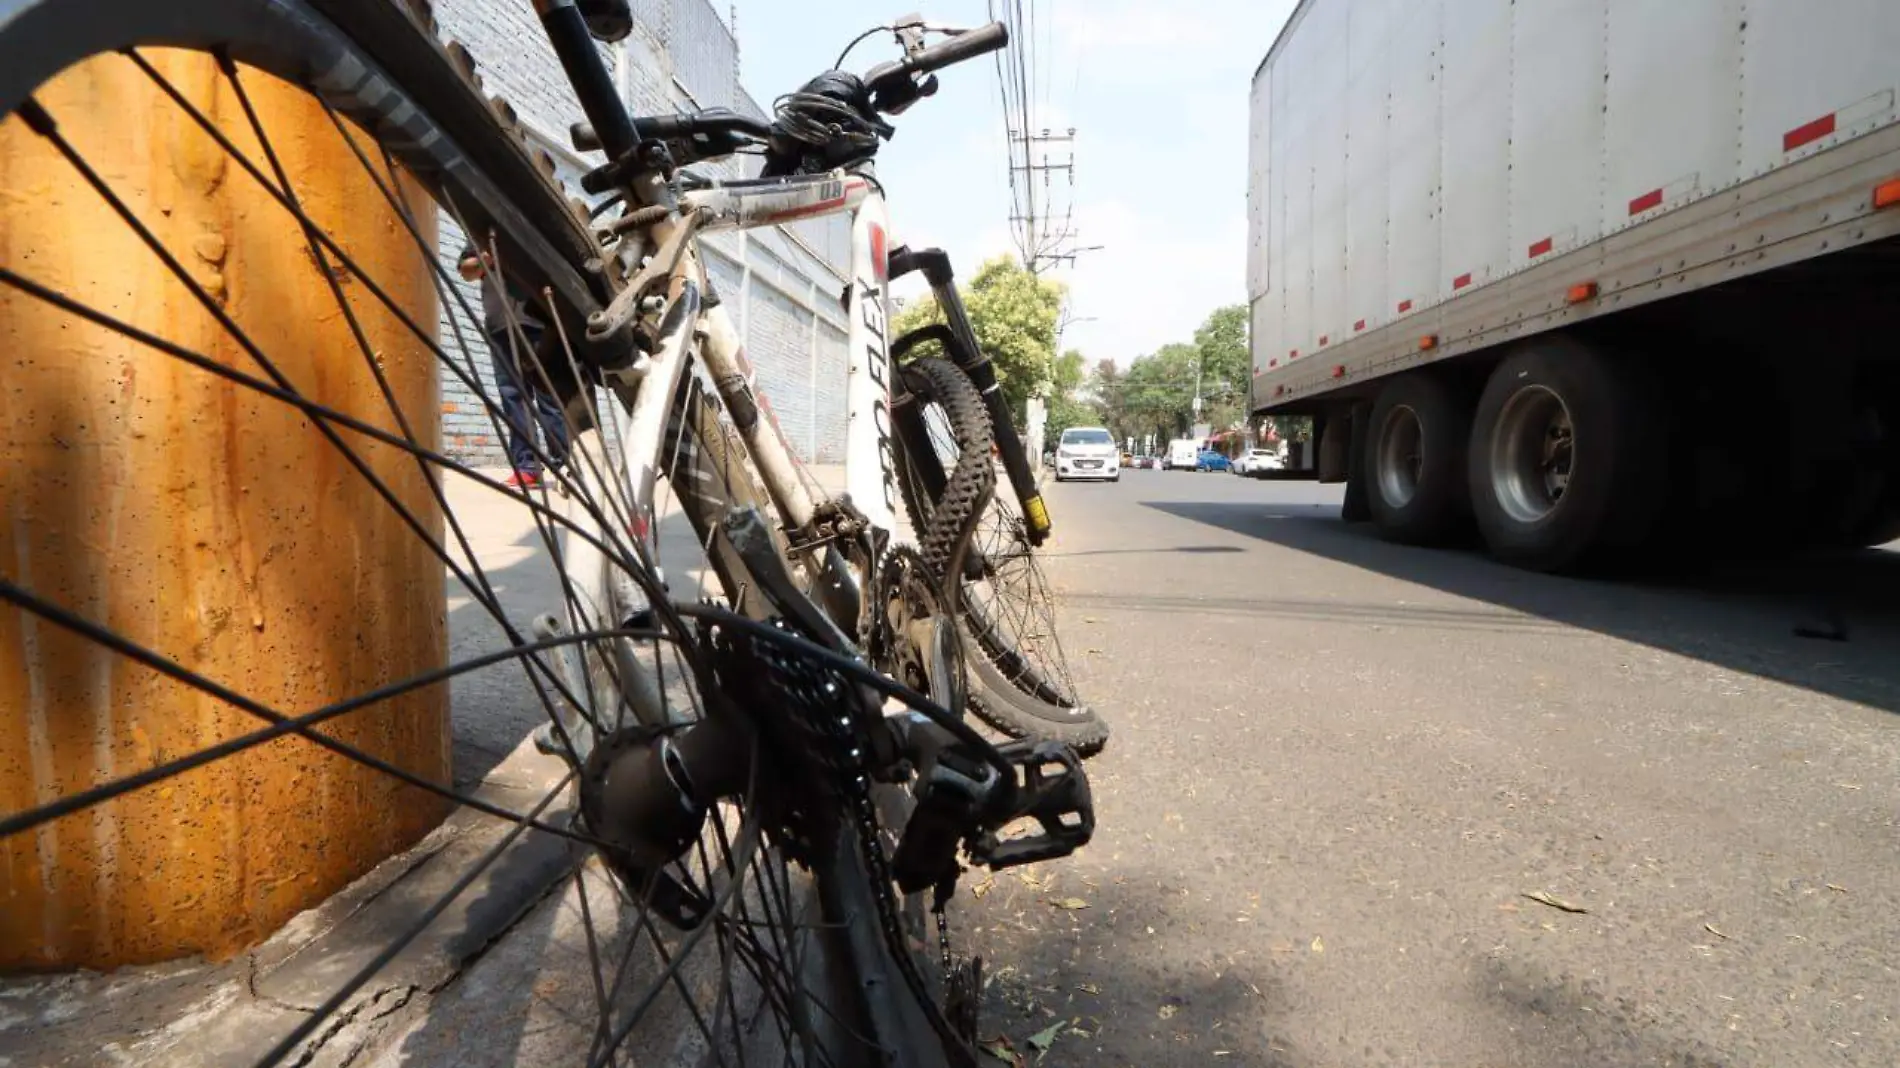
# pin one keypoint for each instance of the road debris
(1071, 903)
(1544, 897)
(1000, 1048)
(1709, 927)
(1042, 1040)
(1318, 945)
(1167, 1012)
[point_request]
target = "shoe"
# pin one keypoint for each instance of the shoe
(524, 480)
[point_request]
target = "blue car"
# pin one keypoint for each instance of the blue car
(1211, 461)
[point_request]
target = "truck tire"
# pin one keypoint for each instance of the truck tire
(1567, 464)
(1414, 460)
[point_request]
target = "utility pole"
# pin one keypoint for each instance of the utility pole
(1036, 246)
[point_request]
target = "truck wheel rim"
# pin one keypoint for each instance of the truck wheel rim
(1401, 456)
(1531, 454)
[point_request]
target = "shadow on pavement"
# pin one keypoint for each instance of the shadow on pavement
(1741, 615)
(1145, 552)
(1120, 977)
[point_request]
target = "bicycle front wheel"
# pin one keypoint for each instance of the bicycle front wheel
(1019, 679)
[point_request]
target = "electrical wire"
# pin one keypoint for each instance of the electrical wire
(858, 40)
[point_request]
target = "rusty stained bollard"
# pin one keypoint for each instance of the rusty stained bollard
(205, 522)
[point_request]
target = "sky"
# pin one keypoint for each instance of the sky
(1158, 100)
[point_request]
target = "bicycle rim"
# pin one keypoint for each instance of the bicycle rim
(1010, 607)
(635, 979)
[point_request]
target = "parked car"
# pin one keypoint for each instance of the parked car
(1210, 460)
(1183, 455)
(1088, 452)
(1254, 461)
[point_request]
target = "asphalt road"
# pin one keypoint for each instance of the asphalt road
(1340, 767)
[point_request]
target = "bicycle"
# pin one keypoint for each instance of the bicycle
(665, 712)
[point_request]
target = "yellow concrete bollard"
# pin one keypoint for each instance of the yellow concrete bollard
(205, 522)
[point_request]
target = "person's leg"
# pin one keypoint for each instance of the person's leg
(547, 409)
(514, 405)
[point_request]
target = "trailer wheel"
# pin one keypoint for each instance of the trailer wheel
(1414, 460)
(1566, 458)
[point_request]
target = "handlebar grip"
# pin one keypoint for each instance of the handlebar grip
(970, 45)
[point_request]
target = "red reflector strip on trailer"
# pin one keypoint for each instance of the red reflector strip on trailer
(1807, 133)
(1405, 306)
(1887, 194)
(1273, 363)
(1323, 339)
(1339, 370)
(1879, 105)
(1358, 326)
(1461, 281)
(1538, 248)
(1293, 355)
(1645, 202)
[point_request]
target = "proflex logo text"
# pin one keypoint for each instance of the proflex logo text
(877, 358)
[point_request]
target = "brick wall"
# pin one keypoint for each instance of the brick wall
(780, 284)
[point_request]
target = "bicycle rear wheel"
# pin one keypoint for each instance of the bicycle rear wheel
(425, 156)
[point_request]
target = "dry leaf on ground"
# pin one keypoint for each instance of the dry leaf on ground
(1042, 1040)
(1167, 1012)
(1000, 1048)
(1070, 903)
(1543, 897)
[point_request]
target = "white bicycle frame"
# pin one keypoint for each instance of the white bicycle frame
(709, 338)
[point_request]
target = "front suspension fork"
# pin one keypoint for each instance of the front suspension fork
(959, 341)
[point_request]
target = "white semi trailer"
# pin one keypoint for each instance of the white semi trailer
(1593, 276)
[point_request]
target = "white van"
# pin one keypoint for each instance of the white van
(1184, 454)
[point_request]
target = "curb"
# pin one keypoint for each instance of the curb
(234, 1012)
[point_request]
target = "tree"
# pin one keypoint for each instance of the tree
(1226, 365)
(1014, 316)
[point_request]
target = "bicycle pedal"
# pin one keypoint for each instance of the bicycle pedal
(1054, 792)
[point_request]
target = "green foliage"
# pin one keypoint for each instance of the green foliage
(1014, 315)
(1155, 395)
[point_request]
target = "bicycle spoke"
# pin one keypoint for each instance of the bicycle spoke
(61, 617)
(43, 123)
(370, 362)
(612, 663)
(316, 411)
(319, 1016)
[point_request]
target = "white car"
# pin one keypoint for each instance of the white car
(1088, 452)
(1254, 461)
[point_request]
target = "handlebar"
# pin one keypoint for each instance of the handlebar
(889, 88)
(966, 45)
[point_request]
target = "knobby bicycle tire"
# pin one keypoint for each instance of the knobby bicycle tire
(942, 521)
(377, 70)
